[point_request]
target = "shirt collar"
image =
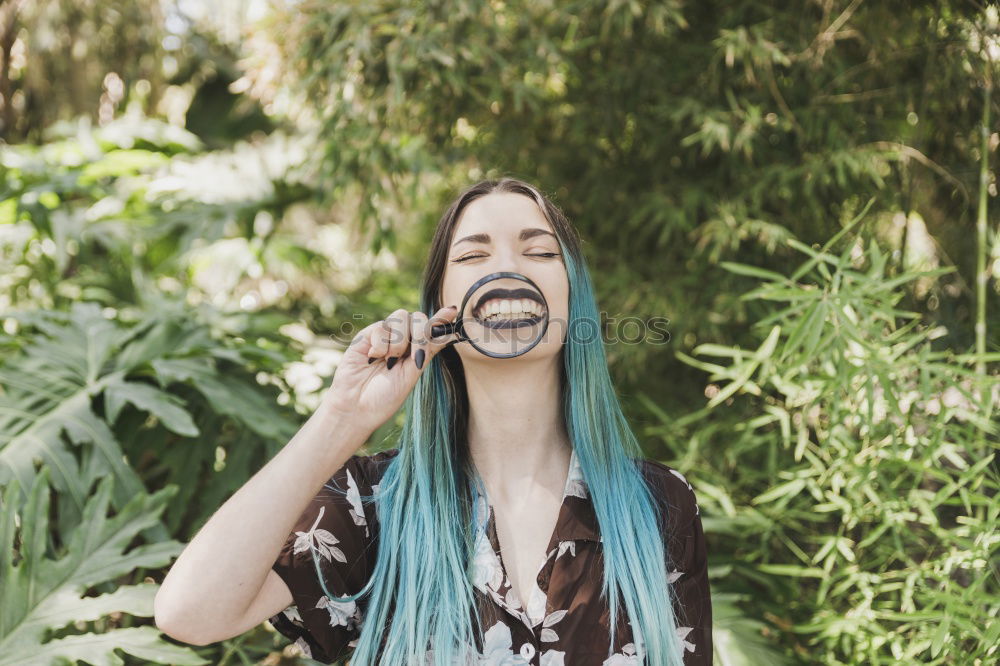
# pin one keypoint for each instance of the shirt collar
(577, 520)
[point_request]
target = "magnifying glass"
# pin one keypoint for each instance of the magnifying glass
(503, 315)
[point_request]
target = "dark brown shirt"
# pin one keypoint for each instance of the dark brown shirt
(563, 622)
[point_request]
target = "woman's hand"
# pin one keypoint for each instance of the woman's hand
(382, 364)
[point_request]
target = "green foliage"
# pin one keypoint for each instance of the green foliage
(102, 213)
(673, 133)
(739, 639)
(47, 393)
(94, 58)
(111, 368)
(163, 282)
(84, 382)
(853, 481)
(44, 592)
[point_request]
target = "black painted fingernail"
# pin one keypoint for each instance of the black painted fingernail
(391, 362)
(453, 307)
(418, 358)
(372, 360)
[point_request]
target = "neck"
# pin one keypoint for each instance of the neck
(517, 431)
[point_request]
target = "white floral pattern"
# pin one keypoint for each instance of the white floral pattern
(546, 636)
(319, 540)
(356, 511)
(375, 491)
(575, 484)
(633, 653)
(497, 650)
(553, 658)
(302, 645)
(682, 633)
(686, 483)
(536, 603)
(627, 657)
(549, 634)
(342, 613)
(488, 573)
(292, 612)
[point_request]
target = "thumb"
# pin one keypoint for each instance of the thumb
(433, 345)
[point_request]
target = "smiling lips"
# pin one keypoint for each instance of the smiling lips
(509, 308)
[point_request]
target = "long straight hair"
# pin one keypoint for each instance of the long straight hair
(420, 593)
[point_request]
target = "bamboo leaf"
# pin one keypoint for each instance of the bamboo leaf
(788, 489)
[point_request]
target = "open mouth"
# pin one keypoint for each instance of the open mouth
(509, 308)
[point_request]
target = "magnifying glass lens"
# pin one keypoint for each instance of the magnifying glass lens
(503, 315)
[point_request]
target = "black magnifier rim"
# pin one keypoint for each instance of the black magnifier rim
(459, 325)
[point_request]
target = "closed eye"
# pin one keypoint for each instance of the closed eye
(547, 255)
(467, 257)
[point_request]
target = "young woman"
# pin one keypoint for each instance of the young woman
(515, 522)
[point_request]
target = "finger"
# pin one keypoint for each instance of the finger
(361, 343)
(408, 326)
(419, 338)
(422, 347)
(378, 338)
(436, 344)
(399, 336)
(445, 315)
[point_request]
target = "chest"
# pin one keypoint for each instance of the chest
(563, 620)
(551, 556)
(525, 534)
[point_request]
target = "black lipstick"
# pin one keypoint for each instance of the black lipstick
(522, 292)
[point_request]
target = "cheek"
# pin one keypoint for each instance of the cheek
(562, 294)
(453, 293)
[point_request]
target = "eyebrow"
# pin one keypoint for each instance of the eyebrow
(525, 234)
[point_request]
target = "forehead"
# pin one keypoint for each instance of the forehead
(500, 214)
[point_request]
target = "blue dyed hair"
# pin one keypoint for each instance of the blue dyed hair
(420, 594)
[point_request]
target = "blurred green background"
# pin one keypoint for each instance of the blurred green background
(200, 200)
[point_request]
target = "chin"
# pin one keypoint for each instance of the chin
(546, 349)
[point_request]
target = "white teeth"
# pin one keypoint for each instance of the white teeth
(501, 315)
(515, 308)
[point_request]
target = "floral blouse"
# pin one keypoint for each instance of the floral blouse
(563, 609)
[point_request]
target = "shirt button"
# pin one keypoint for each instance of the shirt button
(528, 651)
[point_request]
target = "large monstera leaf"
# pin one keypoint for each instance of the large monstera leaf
(42, 594)
(47, 391)
(61, 395)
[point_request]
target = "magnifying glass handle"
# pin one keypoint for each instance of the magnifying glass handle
(443, 329)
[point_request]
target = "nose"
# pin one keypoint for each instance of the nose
(509, 260)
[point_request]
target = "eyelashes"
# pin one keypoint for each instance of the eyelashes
(547, 255)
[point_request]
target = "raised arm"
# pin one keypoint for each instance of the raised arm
(223, 584)
(216, 588)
